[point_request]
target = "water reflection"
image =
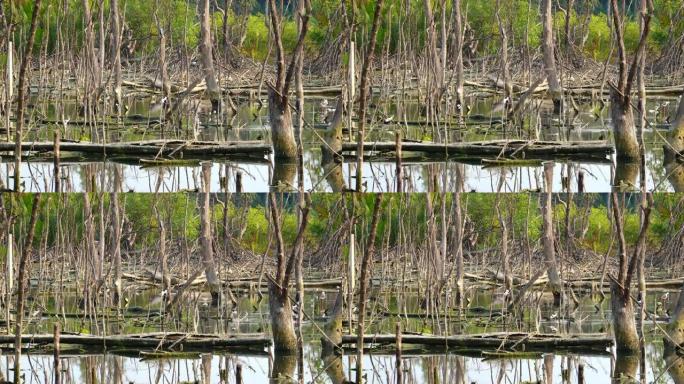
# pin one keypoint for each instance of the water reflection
(428, 369)
(321, 170)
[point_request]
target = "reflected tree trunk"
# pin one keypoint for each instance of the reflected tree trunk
(283, 370)
(283, 175)
(626, 366)
(548, 368)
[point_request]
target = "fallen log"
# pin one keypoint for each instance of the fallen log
(156, 341)
(496, 341)
(498, 148)
(176, 148)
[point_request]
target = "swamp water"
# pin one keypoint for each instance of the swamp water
(250, 316)
(391, 114)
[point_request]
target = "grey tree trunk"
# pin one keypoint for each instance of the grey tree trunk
(548, 239)
(116, 245)
(21, 96)
(206, 238)
(458, 241)
(505, 74)
(92, 62)
(366, 264)
(365, 82)
(116, 53)
(549, 59)
(213, 90)
(458, 51)
(24, 267)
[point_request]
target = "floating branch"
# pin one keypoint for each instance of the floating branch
(151, 340)
(520, 149)
(497, 341)
(163, 148)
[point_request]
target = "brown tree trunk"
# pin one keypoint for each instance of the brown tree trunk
(626, 144)
(622, 307)
(280, 305)
(624, 324)
(549, 58)
(282, 131)
(207, 58)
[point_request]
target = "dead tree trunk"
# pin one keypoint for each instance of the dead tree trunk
(626, 144)
(363, 93)
(116, 245)
(549, 58)
(366, 264)
(280, 304)
(624, 325)
(458, 51)
(282, 131)
(505, 74)
(548, 238)
(92, 62)
(569, 40)
(206, 238)
(207, 58)
(677, 130)
(116, 53)
(21, 97)
(24, 265)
